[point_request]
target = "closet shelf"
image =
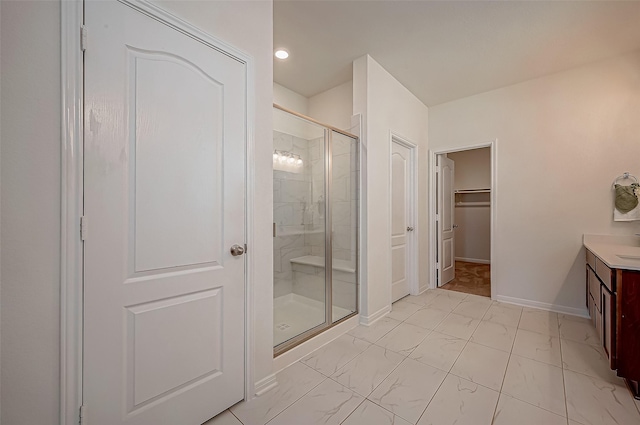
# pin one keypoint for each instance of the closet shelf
(473, 191)
(473, 204)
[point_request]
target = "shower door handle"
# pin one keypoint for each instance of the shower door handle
(237, 250)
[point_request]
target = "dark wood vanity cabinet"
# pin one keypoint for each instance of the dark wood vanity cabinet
(628, 325)
(613, 301)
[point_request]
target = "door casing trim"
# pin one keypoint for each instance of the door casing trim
(493, 146)
(71, 197)
(412, 264)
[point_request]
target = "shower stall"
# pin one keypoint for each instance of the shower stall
(315, 228)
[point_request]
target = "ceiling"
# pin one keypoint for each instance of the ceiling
(446, 50)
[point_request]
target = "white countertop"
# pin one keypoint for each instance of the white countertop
(616, 251)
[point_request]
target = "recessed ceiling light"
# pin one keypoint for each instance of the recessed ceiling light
(282, 54)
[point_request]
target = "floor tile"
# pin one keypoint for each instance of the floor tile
(503, 314)
(328, 359)
(579, 332)
(408, 390)
(224, 418)
(293, 383)
(537, 346)
(450, 294)
(512, 411)
(369, 413)
(376, 331)
(472, 307)
(400, 310)
(403, 339)
(572, 318)
(536, 383)
(421, 299)
(364, 373)
(428, 318)
(459, 326)
(591, 401)
(444, 302)
(460, 402)
(473, 297)
(494, 335)
(329, 403)
(544, 322)
(588, 359)
(439, 350)
(482, 365)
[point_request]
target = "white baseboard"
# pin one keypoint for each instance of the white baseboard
(473, 260)
(372, 318)
(307, 347)
(264, 385)
(581, 312)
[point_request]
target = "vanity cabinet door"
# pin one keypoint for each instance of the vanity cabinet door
(594, 288)
(609, 325)
(628, 321)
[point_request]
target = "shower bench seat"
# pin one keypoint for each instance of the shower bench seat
(317, 261)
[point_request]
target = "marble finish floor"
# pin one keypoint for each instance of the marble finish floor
(445, 358)
(471, 278)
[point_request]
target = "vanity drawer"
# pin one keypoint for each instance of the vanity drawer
(605, 275)
(591, 259)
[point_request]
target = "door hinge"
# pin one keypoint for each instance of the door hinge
(437, 217)
(83, 38)
(83, 415)
(84, 228)
(245, 248)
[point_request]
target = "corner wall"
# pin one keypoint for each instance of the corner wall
(386, 107)
(562, 139)
(30, 216)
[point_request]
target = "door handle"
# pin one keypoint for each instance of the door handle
(455, 226)
(409, 229)
(237, 250)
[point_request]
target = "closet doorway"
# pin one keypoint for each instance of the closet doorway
(462, 218)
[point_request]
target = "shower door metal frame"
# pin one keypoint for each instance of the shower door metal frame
(328, 263)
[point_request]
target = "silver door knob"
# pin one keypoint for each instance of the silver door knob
(455, 226)
(409, 229)
(237, 250)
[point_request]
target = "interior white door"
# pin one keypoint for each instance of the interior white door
(401, 227)
(446, 231)
(164, 201)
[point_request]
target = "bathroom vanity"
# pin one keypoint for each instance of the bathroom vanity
(613, 300)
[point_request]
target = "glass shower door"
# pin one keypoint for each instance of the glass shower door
(344, 224)
(298, 227)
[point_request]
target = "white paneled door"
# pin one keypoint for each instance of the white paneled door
(446, 230)
(164, 203)
(401, 225)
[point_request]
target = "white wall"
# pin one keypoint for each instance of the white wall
(386, 106)
(562, 139)
(334, 106)
(30, 215)
(284, 122)
(472, 169)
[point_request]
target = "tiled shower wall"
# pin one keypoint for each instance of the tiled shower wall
(291, 195)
